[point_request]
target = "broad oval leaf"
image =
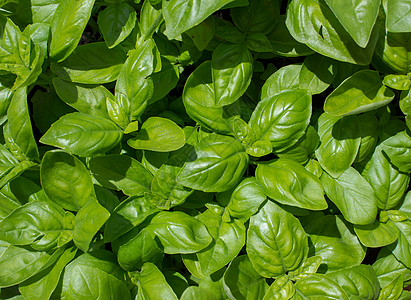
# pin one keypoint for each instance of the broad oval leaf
(18, 264)
(289, 183)
(83, 134)
(121, 172)
(221, 162)
(339, 143)
(376, 234)
(127, 215)
(116, 22)
(66, 180)
(92, 63)
(179, 233)
(314, 24)
(232, 69)
(276, 241)
(357, 17)
(332, 238)
(79, 279)
(281, 288)
(318, 286)
(69, 21)
(359, 282)
(398, 150)
(181, 15)
(359, 93)
(398, 15)
(388, 183)
(402, 248)
(38, 224)
(286, 78)
(228, 240)
(353, 195)
(282, 119)
(241, 280)
(153, 285)
(158, 134)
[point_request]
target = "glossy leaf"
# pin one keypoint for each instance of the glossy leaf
(402, 248)
(281, 288)
(220, 163)
(353, 195)
(398, 15)
(393, 290)
(94, 274)
(179, 233)
(332, 238)
(314, 24)
(66, 28)
(158, 134)
(241, 280)
(282, 119)
(319, 286)
(359, 93)
(357, 18)
(232, 68)
(82, 134)
(276, 241)
(181, 15)
(286, 78)
(93, 63)
(228, 240)
(66, 180)
(116, 22)
(289, 183)
(376, 234)
(398, 150)
(339, 143)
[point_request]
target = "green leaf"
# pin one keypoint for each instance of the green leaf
(219, 165)
(376, 234)
(18, 264)
(89, 219)
(69, 22)
(339, 143)
(121, 172)
(153, 285)
(286, 78)
(181, 15)
(241, 280)
(402, 249)
(92, 63)
(309, 267)
(232, 69)
(388, 183)
(228, 240)
(116, 22)
(398, 15)
(281, 288)
(257, 17)
(359, 93)
(84, 98)
(317, 73)
(42, 285)
(158, 134)
(357, 17)
(245, 199)
(319, 286)
(331, 238)
(19, 126)
(353, 195)
(179, 233)
(38, 224)
(83, 134)
(359, 282)
(134, 83)
(282, 119)
(66, 180)
(203, 33)
(314, 24)
(258, 42)
(276, 241)
(130, 213)
(398, 150)
(289, 183)
(397, 82)
(91, 275)
(393, 290)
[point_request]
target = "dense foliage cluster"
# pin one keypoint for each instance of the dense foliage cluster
(205, 149)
